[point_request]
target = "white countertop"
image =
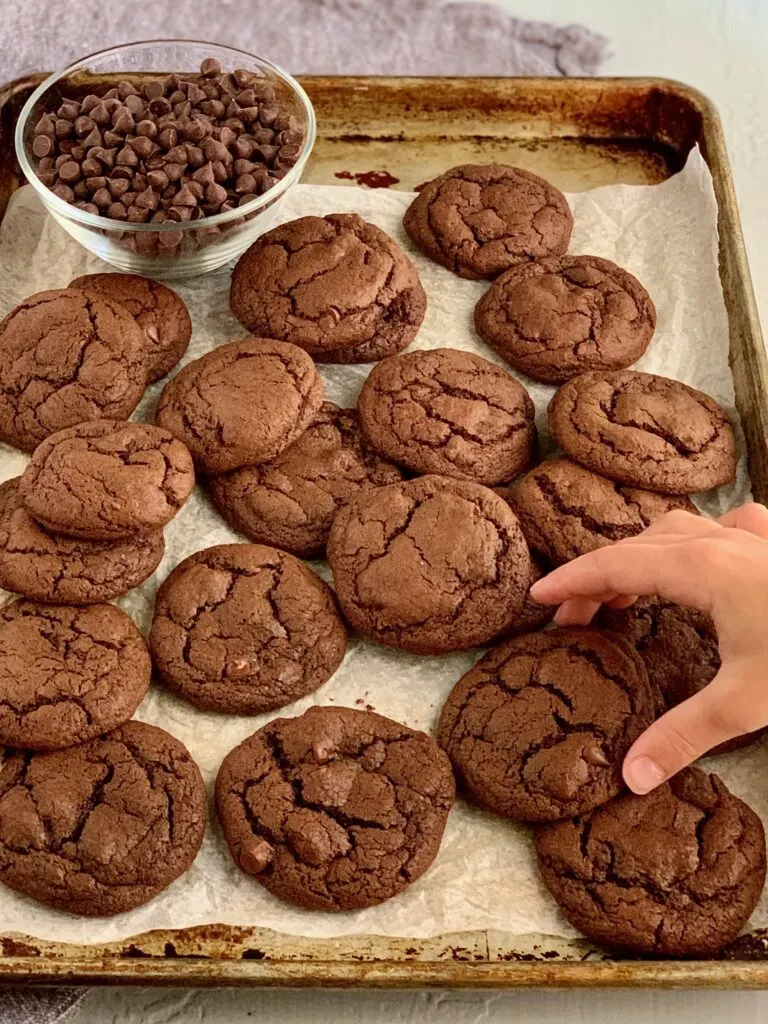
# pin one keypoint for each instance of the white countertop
(721, 47)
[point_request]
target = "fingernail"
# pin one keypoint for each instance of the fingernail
(642, 774)
(535, 588)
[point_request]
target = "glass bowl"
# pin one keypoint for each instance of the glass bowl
(170, 249)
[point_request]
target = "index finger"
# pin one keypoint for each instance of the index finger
(677, 573)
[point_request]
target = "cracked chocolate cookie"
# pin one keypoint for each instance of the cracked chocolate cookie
(158, 310)
(539, 728)
(645, 430)
(480, 219)
(291, 501)
(242, 403)
(674, 873)
(335, 810)
(337, 286)
(533, 615)
(566, 510)
(449, 412)
(49, 567)
(555, 318)
(107, 480)
(429, 565)
(679, 647)
(67, 357)
(67, 674)
(243, 628)
(103, 827)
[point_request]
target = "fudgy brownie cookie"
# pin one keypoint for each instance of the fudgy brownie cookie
(242, 403)
(566, 510)
(67, 674)
(645, 430)
(103, 827)
(243, 628)
(679, 647)
(159, 311)
(481, 219)
(539, 728)
(291, 501)
(335, 810)
(49, 567)
(67, 357)
(109, 479)
(429, 565)
(676, 872)
(337, 286)
(555, 318)
(450, 412)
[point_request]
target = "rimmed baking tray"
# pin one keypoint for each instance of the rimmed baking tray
(400, 132)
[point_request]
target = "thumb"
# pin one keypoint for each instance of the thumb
(686, 732)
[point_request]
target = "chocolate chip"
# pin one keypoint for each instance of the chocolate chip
(61, 159)
(204, 174)
(43, 146)
(81, 190)
(101, 197)
(268, 114)
(93, 138)
(147, 199)
(158, 180)
(122, 172)
(113, 138)
(63, 128)
(142, 146)
(47, 177)
(91, 167)
(215, 194)
(246, 183)
(235, 125)
(153, 90)
(213, 149)
(185, 197)
(138, 214)
(84, 125)
(243, 148)
(46, 164)
(594, 755)
(288, 155)
(266, 153)
(220, 172)
(180, 213)
(197, 189)
(116, 211)
(195, 94)
(195, 157)
(177, 96)
(125, 89)
(210, 67)
(111, 94)
(88, 208)
(146, 129)
(135, 104)
(159, 106)
(69, 171)
(117, 187)
(158, 217)
(123, 122)
(100, 114)
(126, 157)
(290, 137)
(175, 171)
(182, 109)
(139, 182)
(249, 114)
(244, 200)
(170, 239)
(213, 108)
(263, 136)
(47, 126)
(90, 101)
(68, 111)
(168, 138)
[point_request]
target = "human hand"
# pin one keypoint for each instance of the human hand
(719, 566)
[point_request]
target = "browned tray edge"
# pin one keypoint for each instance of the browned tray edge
(29, 963)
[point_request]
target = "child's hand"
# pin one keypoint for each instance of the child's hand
(719, 566)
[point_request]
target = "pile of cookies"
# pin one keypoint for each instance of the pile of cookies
(435, 519)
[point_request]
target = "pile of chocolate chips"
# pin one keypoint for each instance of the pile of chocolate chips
(179, 149)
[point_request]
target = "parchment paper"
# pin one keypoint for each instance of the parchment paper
(485, 875)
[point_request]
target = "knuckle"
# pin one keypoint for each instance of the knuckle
(680, 744)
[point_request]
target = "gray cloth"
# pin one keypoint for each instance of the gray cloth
(392, 37)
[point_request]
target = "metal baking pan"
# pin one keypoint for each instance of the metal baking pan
(400, 132)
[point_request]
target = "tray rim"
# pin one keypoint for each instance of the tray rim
(75, 965)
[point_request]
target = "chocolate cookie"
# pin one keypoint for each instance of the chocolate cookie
(539, 728)
(67, 674)
(242, 403)
(291, 501)
(67, 357)
(566, 510)
(679, 647)
(450, 412)
(429, 565)
(103, 827)
(50, 567)
(675, 873)
(335, 810)
(555, 318)
(107, 480)
(644, 430)
(337, 286)
(481, 219)
(159, 311)
(242, 628)
(533, 615)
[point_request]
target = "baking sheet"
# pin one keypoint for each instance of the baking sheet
(485, 875)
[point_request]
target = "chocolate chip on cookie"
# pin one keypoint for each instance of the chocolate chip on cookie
(102, 827)
(243, 628)
(337, 286)
(555, 318)
(49, 567)
(674, 873)
(539, 728)
(429, 565)
(242, 403)
(335, 810)
(159, 311)
(566, 510)
(645, 430)
(67, 674)
(480, 219)
(109, 479)
(679, 647)
(67, 357)
(291, 501)
(449, 412)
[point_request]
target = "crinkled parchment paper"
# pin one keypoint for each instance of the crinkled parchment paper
(485, 875)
